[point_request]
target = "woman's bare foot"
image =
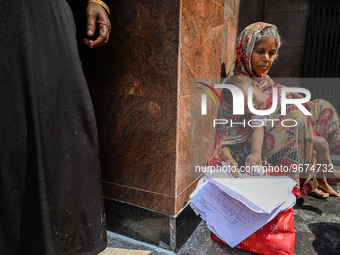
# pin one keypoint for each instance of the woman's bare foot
(323, 184)
(318, 193)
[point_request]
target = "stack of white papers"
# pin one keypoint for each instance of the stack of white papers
(235, 208)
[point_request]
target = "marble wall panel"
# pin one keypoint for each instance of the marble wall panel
(202, 135)
(220, 2)
(146, 199)
(196, 139)
(200, 56)
(140, 85)
(138, 141)
(201, 23)
(231, 17)
(183, 143)
(142, 54)
(228, 49)
(231, 12)
(214, 41)
(183, 197)
(207, 44)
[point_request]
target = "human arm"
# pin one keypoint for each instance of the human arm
(254, 158)
(97, 17)
(227, 158)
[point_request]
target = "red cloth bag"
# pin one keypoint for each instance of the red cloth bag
(276, 237)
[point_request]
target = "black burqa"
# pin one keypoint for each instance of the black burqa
(50, 184)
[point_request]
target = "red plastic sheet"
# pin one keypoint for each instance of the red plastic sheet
(276, 237)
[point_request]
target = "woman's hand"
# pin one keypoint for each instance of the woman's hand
(233, 167)
(254, 159)
(96, 15)
(228, 159)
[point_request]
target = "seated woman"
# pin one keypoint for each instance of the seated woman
(256, 49)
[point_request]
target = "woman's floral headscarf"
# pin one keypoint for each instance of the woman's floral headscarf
(237, 134)
(244, 49)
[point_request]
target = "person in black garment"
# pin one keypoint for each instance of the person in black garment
(50, 184)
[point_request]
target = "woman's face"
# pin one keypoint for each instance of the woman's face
(263, 56)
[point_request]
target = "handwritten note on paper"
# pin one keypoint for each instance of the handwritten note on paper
(231, 220)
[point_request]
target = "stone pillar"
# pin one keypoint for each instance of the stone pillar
(140, 88)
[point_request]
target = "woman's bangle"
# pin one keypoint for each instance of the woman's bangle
(102, 4)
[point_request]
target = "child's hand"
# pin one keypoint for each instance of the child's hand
(254, 159)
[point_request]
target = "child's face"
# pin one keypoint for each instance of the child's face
(259, 100)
